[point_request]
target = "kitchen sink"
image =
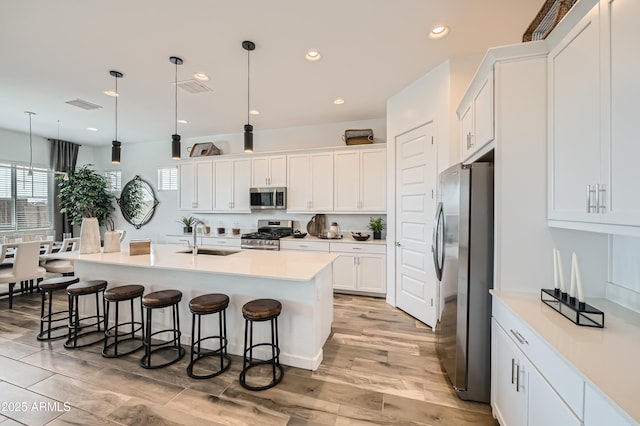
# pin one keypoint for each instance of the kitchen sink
(210, 252)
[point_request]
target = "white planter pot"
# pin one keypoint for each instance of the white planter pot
(89, 236)
(111, 242)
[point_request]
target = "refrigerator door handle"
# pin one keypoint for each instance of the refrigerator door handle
(436, 247)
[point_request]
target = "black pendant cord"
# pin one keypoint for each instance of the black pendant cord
(30, 143)
(248, 84)
(176, 87)
(117, 95)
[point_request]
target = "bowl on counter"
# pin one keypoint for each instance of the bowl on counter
(299, 234)
(358, 236)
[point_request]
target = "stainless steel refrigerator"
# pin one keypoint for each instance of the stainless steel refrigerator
(463, 258)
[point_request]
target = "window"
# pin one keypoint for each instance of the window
(168, 179)
(114, 180)
(24, 198)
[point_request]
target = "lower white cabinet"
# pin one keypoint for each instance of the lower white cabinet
(530, 385)
(359, 268)
(599, 410)
(304, 245)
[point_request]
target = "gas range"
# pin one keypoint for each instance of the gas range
(268, 235)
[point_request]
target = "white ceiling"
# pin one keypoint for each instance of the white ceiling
(57, 51)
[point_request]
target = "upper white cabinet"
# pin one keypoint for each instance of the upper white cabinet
(196, 185)
(231, 185)
(592, 143)
(269, 171)
(476, 114)
(310, 182)
(360, 181)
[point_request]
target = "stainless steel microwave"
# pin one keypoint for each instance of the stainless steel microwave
(268, 198)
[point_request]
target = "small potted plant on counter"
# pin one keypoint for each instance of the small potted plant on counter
(187, 223)
(376, 225)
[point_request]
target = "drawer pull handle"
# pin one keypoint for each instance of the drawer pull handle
(519, 337)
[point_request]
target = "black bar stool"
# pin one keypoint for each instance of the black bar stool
(157, 300)
(256, 311)
(84, 288)
(116, 295)
(205, 305)
(46, 288)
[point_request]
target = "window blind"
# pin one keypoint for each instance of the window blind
(168, 179)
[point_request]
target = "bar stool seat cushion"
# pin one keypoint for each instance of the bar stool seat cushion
(161, 299)
(209, 303)
(86, 287)
(261, 309)
(57, 283)
(124, 292)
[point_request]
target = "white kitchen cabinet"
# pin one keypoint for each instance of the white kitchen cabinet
(574, 122)
(231, 186)
(310, 182)
(302, 244)
(359, 268)
(360, 181)
(476, 115)
(593, 148)
(530, 384)
(196, 185)
(269, 171)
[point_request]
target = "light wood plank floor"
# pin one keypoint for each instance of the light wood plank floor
(379, 368)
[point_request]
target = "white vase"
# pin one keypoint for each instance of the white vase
(111, 242)
(89, 236)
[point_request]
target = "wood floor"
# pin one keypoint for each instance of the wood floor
(379, 368)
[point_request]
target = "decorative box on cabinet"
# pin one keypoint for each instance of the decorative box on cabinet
(196, 185)
(593, 73)
(360, 181)
(231, 186)
(359, 268)
(310, 182)
(269, 171)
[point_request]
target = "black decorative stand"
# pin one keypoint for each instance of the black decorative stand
(578, 312)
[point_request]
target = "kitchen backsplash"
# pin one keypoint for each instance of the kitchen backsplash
(624, 280)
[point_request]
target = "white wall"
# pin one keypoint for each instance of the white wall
(623, 286)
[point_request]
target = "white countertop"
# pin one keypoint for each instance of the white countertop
(291, 266)
(346, 238)
(607, 357)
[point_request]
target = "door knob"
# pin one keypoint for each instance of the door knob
(398, 244)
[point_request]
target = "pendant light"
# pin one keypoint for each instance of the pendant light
(175, 138)
(30, 172)
(248, 128)
(116, 144)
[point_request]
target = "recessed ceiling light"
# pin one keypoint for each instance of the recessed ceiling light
(254, 112)
(201, 76)
(181, 121)
(111, 93)
(313, 55)
(439, 31)
(93, 129)
(338, 101)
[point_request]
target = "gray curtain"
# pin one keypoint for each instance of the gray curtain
(63, 159)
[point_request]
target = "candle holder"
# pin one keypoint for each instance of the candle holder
(578, 312)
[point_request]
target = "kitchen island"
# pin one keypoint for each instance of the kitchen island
(302, 282)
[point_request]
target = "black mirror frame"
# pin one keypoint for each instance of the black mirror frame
(149, 189)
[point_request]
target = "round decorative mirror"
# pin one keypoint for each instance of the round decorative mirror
(137, 202)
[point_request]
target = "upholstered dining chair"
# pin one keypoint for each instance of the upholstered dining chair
(26, 265)
(62, 266)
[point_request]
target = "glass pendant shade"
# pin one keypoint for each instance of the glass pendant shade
(248, 138)
(115, 152)
(175, 147)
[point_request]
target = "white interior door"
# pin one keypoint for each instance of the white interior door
(416, 177)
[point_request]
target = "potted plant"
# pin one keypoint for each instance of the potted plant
(187, 223)
(85, 198)
(376, 225)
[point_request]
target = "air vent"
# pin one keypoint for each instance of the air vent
(83, 104)
(194, 86)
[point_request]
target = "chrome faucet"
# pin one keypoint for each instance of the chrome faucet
(195, 232)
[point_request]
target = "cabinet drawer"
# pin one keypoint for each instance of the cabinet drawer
(227, 242)
(560, 374)
(304, 245)
(357, 248)
(600, 410)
